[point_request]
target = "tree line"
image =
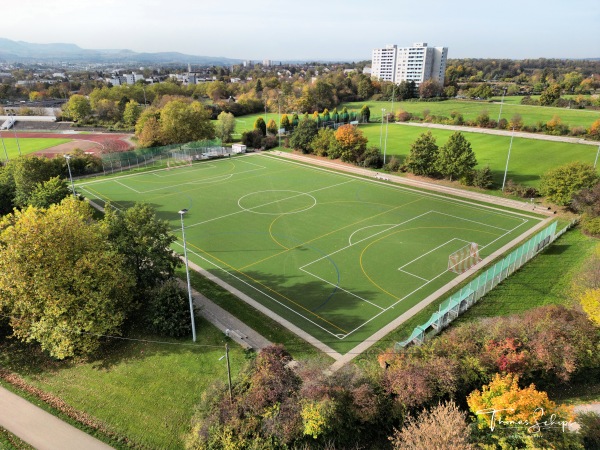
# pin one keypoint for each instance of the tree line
(68, 278)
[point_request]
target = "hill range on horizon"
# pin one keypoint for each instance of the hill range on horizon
(27, 52)
(20, 51)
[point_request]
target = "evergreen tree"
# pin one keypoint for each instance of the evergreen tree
(456, 158)
(365, 113)
(259, 124)
(285, 123)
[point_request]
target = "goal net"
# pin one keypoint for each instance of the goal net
(463, 259)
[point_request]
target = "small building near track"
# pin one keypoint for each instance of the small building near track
(238, 148)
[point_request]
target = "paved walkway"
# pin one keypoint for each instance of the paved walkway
(519, 134)
(225, 321)
(40, 429)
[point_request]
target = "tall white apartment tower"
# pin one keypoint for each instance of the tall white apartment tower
(417, 63)
(383, 66)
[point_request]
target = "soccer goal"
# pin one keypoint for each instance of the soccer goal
(463, 259)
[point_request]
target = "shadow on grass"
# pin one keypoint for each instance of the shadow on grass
(28, 359)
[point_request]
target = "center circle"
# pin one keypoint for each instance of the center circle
(276, 202)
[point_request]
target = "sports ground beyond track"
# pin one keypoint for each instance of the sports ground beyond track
(336, 255)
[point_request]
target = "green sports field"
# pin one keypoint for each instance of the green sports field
(27, 145)
(336, 255)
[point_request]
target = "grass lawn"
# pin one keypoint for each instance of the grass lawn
(28, 145)
(337, 256)
(144, 391)
(470, 109)
(529, 158)
(9, 441)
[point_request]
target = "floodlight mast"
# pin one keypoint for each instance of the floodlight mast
(187, 271)
(501, 104)
(4, 145)
(508, 158)
(13, 121)
(381, 128)
(68, 157)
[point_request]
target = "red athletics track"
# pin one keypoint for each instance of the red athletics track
(102, 141)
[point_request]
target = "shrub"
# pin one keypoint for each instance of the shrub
(520, 190)
(590, 429)
(483, 178)
(252, 139)
(442, 427)
(168, 310)
(270, 142)
(393, 165)
(591, 226)
(403, 116)
(561, 184)
(483, 119)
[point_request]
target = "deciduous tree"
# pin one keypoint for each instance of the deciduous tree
(303, 135)
(145, 241)
(352, 143)
(285, 122)
(561, 184)
(590, 302)
(182, 122)
(423, 155)
(49, 193)
(60, 281)
(78, 107)
(365, 114)
(131, 113)
(443, 427)
(550, 95)
(225, 126)
(260, 125)
(272, 127)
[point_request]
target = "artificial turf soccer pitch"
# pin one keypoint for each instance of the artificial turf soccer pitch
(337, 255)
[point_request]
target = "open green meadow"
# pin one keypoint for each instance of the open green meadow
(28, 145)
(145, 391)
(529, 158)
(336, 255)
(470, 109)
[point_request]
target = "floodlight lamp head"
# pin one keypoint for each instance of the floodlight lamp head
(67, 156)
(183, 211)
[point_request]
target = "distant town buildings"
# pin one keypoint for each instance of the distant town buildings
(116, 79)
(417, 63)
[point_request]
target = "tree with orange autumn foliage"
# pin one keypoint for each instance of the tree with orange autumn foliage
(505, 412)
(352, 143)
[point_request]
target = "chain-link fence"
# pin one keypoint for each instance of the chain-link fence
(462, 300)
(159, 157)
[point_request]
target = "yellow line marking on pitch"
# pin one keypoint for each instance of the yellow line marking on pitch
(329, 233)
(267, 287)
(402, 231)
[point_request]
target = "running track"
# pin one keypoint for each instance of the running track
(116, 142)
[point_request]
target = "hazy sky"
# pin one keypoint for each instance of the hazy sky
(312, 29)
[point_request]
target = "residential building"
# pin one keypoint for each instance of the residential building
(417, 63)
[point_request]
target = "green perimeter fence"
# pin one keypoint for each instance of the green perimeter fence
(462, 300)
(159, 156)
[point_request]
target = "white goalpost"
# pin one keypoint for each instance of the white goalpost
(464, 258)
